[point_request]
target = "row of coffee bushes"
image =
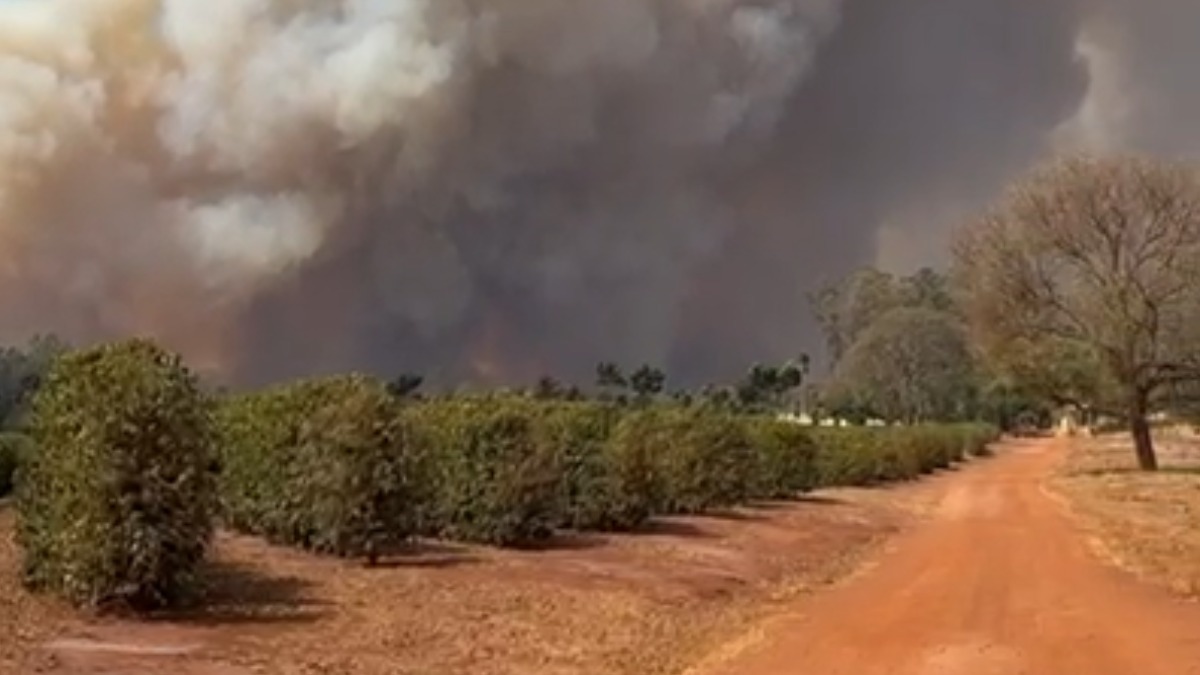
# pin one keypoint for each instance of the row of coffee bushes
(134, 465)
(336, 465)
(869, 456)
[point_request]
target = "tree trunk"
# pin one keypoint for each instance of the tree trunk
(1143, 442)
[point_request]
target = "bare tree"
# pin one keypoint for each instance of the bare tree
(1102, 253)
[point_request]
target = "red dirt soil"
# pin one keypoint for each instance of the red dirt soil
(643, 604)
(992, 578)
(997, 581)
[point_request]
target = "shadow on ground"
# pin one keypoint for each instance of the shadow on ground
(235, 593)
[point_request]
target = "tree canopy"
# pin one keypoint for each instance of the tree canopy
(846, 308)
(910, 365)
(1097, 259)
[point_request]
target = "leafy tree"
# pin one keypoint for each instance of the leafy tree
(683, 398)
(548, 388)
(717, 396)
(1007, 403)
(846, 308)
(755, 389)
(911, 365)
(1101, 256)
(766, 386)
(647, 382)
(611, 381)
(610, 376)
(405, 385)
(1058, 373)
(927, 288)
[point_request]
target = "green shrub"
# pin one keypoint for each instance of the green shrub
(492, 482)
(866, 456)
(15, 450)
(977, 438)
(634, 486)
(849, 456)
(924, 449)
(579, 434)
(785, 458)
(257, 436)
(707, 459)
(116, 505)
(329, 465)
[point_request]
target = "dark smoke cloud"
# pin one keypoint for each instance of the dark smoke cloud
(916, 113)
(501, 188)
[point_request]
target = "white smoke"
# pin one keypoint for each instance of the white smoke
(1144, 94)
(215, 149)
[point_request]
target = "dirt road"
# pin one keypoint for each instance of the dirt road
(998, 581)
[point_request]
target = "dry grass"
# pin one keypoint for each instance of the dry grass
(1148, 524)
(641, 604)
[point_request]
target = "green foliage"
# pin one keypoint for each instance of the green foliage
(15, 451)
(257, 435)
(492, 481)
(707, 458)
(330, 465)
(647, 382)
(868, 456)
(976, 439)
(848, 307)
(609, 375)
(580, 433)
(21, 372)
(785, 458)
(848, 456)
(115, 507)
(910, 365)
(1054, 370)
(765, 386)
(508, 470)
(635, 487)
(405, 385)
(548, 389)
(1008, 406)
(927, 448)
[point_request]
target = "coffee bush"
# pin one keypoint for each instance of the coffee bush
(850, 456)
(579, 433)
(707, 458)
(785, 460)
(491, 480)
(329, 465)
(116, 505)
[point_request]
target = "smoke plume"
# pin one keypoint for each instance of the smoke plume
(498, 189)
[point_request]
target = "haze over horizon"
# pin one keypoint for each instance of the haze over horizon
(497, 189)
